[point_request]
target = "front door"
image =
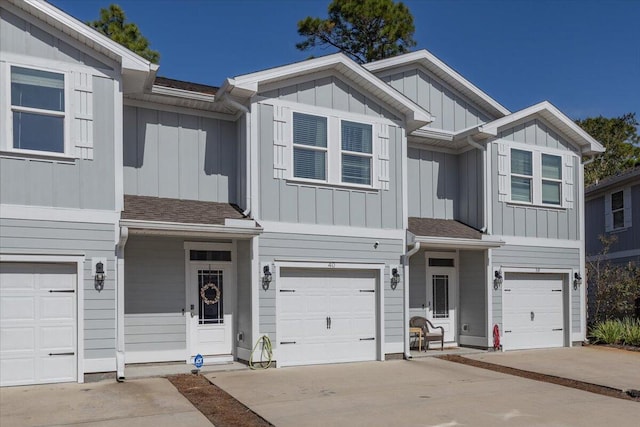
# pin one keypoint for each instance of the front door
(211, 309)
(441, 306)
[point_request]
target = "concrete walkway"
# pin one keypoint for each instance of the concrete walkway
(421, 392)
(152, 402)
(611, 367)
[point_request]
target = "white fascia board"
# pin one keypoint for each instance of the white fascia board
(415, 115)
(431, 62)
(178, 228)
(129, 59)
(455, 243)
(576, 133)
(181, 93)
(439, 134)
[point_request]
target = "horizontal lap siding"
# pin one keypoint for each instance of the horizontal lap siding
(291, 247)
(538, 257)
(154, 294)
(287, 201)
(67, 238)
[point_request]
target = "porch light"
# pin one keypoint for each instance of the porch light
(266, 277)
(577, 280)
(395, 278)
(497, 280)
(99, 277)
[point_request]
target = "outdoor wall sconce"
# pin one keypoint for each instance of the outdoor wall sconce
(266, 277)
(100, 276)
(395, 278)
(577, 281)
(497, 280)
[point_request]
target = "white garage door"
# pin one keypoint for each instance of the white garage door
(326, 316)
(38, 329)
(532, 311)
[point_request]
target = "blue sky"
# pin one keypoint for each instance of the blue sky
(581, 55)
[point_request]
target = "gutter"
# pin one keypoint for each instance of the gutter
(405, 267)
(120, 354)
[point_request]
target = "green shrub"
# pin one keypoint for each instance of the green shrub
(608, 332)
(631, 331)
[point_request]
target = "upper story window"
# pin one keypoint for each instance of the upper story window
(357, 152)
(618, 209)
(536, 178)
(309, 146)
(38, 110)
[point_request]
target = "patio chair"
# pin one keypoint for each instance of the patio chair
(429, 332)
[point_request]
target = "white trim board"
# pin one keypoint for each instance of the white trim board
(41, 213)
(331, 230)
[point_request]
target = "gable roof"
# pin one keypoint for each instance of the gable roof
(588, 145)
(443, 71)
(139, 70)
(629, 176)
(247, 85)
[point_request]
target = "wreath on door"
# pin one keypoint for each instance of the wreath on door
(203, 294)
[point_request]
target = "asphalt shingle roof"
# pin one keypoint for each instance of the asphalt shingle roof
(442, 228)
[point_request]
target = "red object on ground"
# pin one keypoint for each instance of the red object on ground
(496, 337)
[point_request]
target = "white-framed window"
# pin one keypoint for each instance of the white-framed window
(618, 209)
(356, 152)
(309, 146)
(536, 178)
(315, 145)
(38, 111)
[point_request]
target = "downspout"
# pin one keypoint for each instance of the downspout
(485, 208)
(405, 266)
(120, 355)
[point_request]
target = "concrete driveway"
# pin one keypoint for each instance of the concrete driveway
(424, 392)
(138, 403)
(606, 366)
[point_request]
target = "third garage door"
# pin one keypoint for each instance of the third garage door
(326, 316)
(532, 310)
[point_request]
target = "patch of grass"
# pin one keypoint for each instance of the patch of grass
(631, 331)
(608, 332)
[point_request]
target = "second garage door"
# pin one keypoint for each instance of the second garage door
(532, 310)
(326, 316)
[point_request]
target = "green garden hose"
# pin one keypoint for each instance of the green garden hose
(265, 353)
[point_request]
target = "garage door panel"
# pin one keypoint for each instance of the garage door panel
(533, 310)
(319, 295)
(38, 328)
(15, 308)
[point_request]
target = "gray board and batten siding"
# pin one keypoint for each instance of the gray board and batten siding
(445, 186)
(154, 294)
(179, 156)
(537, 257)
(21, 236)
(473, 293)
(450, 110)
(21, 37)
(511, 219)
(292, 247)
(243, 295)
(73, 183)
(287, 201)
(626, 239)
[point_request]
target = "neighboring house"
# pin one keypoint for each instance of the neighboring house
(612, 211)
(320, 203)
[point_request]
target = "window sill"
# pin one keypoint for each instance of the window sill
(541, 206)
(37, 155)
(315, 183)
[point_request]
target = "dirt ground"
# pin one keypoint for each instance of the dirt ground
(214, 403)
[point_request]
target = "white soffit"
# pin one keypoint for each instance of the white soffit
(444, 72)
(248, 84)
(554, 117)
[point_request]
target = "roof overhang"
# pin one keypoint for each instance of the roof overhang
(138, 73)
(245, 86)
(456, 243)
(545, 110)
(443, 71)
(623, 179)
(240, 229)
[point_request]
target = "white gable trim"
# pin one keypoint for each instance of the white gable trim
(444, 72)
